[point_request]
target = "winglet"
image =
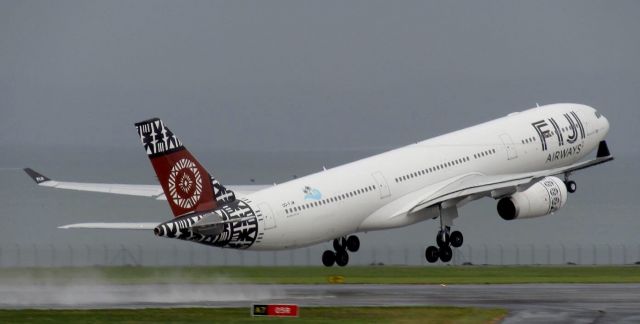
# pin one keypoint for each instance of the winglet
(603, 150)
(37, 177)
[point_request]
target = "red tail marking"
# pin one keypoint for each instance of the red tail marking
(186, 184)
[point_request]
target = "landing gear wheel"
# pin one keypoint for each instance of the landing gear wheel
(328, 258)
(431, 254)
(353, 243)
(442, 239)
(456, 239)
(571, 186)
(342, 258)
(339, 244)
(445, 254)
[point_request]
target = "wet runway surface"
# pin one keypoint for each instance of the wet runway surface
(539, 303)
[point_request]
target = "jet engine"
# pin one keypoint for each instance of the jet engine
(543, 198)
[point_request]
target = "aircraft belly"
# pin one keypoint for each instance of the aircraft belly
(309, 228)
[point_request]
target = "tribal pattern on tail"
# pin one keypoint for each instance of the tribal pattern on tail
(156, 138)
(221, 193)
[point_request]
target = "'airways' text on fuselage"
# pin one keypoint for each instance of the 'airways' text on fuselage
(564, 153)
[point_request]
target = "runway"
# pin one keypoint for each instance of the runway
(539, 303)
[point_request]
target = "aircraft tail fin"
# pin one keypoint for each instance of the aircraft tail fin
(186, 183)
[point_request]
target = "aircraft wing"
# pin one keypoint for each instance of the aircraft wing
(475, 185)
(153, 191)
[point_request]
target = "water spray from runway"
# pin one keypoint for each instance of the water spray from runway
(96, 292)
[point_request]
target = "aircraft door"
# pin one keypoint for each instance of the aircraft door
(268, 218)
(381, 183)
(509, 146)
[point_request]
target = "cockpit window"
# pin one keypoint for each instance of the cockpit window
(598, 115)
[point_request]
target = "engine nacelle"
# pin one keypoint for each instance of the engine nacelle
(542, 198)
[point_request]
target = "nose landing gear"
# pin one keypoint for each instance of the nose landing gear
(340, 255)
(571, 185)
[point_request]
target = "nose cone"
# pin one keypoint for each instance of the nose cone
(604, 122)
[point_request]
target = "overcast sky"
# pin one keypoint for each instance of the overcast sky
(346, 77)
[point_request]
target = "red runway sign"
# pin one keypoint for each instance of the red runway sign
(275, 310)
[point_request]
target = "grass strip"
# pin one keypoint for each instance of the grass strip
(322, 275)
(241, 315)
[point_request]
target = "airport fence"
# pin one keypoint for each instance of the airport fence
(196, 255)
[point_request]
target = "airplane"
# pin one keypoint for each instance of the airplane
(524, 161)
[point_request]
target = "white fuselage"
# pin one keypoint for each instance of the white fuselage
(360, 196)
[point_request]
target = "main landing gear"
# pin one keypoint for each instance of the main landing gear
(445, 241)
(445, 238)
(341, 247)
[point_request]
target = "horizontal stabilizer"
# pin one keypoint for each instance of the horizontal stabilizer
(125, 226)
